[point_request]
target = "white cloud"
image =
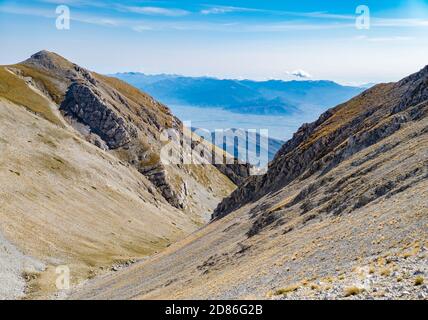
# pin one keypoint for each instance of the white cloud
(50, 14)
(155, 11)
(390, 22)
(227, 9)
(322, 15)
(302, 74)
(215, 11)
(315, 15)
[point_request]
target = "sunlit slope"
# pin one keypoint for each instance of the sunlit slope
(64, 201)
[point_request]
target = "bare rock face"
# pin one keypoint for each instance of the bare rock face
(86, 105)
(237, 172)
(338, 134)
(414, 90)
(113, 116)
(158, 176)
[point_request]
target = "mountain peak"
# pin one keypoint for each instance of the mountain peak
(49, 60)
(43, 53)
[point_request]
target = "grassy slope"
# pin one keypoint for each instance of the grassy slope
(79, 205)
(346, 112)
(16, 90)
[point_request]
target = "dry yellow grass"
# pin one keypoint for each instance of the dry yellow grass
(45, 80)
(385, 272)
(79, 205)
(16, 90)
(288, 289)
(419, 280)
(352, 291)
(315, 287)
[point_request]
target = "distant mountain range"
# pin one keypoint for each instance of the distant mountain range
(273, 97)
(248, 146)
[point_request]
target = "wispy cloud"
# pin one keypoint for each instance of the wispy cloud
(322, 15)
(44, 13)
(391, 22)
(155, 11)
(315, 15)
(294, 26)
(384, 39)
(227, 9)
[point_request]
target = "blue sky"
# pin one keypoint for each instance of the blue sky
(227, 39)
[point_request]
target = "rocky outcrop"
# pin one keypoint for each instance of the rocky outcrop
(157, 174)
(236, 172)
(87, 106)
(414, 90)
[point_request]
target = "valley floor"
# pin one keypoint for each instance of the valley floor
(372, 250)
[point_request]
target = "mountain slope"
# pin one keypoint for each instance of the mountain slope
(82, 183)
(116, 117)
(341, 213)
(273, 97)
(338, 134)
(64, 201)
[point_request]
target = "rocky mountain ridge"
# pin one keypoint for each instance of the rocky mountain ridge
(320, 146)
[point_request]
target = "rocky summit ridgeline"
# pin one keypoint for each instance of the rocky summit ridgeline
(341, 213)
